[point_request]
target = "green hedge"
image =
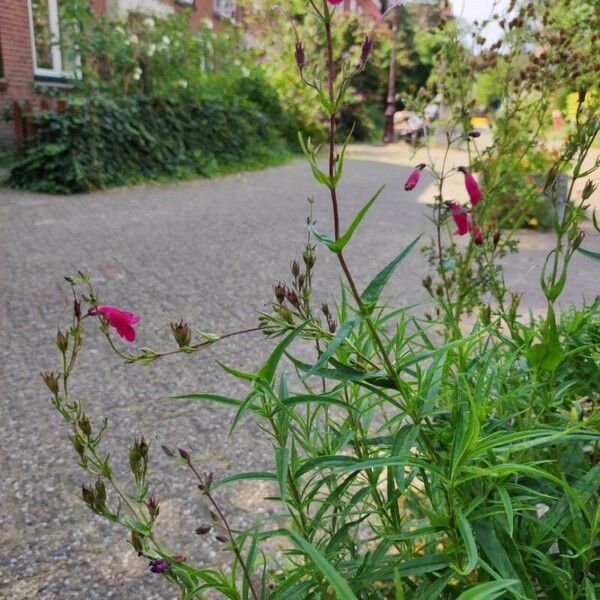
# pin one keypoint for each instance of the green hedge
(101, 142)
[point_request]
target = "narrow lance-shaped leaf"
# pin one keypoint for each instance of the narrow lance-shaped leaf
(487, 591)
(339, 585)
(334, 344)
(372, 292)
(339, 244)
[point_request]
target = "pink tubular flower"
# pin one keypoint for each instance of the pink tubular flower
(414, 177)
(461, 219)
(335, 1)
(472, 187)
(121, 320)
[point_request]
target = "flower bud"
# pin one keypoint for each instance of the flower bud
(184, 454)
(77, 309)
(222, 539)
(309, 257)
(168, 451)
(365, 51)
(292, 298)
(471, 186)
(182, 333)
(87, 493)
(414, 177)
(78, 444)
(153, 508)
(300, 56)
(84, 425)
(496, 238)
(578, 239)
(588, 190)
(279, 290)
(160, 565)
(474, 134)
(51, 380)
(203, 529)
(295, 268)
(62, 343)
(137, 543)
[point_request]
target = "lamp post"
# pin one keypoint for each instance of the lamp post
(390, 109)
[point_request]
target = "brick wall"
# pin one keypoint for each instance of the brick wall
(15, 43)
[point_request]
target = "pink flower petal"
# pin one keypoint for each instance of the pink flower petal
(127, 332)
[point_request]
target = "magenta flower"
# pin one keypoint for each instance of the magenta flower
(414, 177)
(121, 320)
(477, 235)
(335, 1)
(472, 187)
(461, 219)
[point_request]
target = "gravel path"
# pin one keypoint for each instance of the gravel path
(207, 251)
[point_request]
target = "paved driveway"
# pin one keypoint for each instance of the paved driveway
(207, 251)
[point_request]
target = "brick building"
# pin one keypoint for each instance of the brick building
(28, 28)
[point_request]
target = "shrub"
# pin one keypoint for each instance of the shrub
(106, 141)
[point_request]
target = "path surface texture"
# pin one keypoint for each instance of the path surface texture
(205, 251)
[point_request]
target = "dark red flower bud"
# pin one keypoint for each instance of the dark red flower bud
(184, 454)
(203, 529)
(365, 51)
(160, 565)
(300, 57)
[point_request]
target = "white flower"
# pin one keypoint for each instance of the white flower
(208, 23)
(237, 62)
(137, 73)
(120, 30)
(151, 49)
(182, 83)
(166, 40)
(245, 71)
(133, 39)
(149, 22)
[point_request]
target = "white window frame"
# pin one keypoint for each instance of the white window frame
(219, 9)
(55, 53)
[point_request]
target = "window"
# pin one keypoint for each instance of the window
(48, 59)
(224, 8)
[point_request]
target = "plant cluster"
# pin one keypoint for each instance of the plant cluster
(99, 142)
(412, 458)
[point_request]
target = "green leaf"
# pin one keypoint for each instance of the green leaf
(589, 253)
(325, 239)
(326, 399)
(435, 589)
(341, 588)
(319, 175)
(212, 398)
(267, 371)
(334, 344)
(503, 554)
(508, 508)
(548, 355)
(487, 591)
(282, 457)
(248, 476)
(338, 245)
(340, 162)
(372, 292)
(467, 535)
